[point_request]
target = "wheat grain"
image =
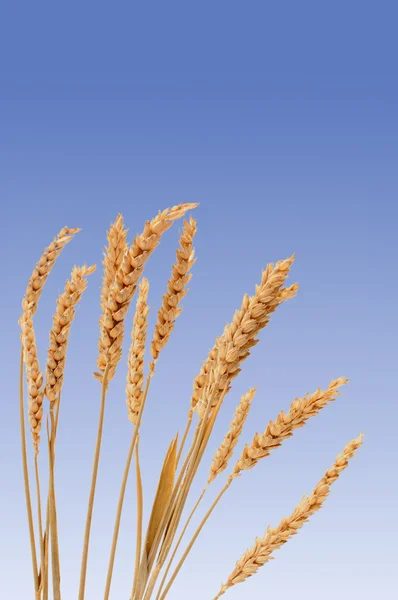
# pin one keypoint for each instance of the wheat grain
(59, 334)
(135, 369)
(276, 537)
(233, 347)
(43, 268)
(176, 290)
(282, 428)
(123, 288)
(225, 451)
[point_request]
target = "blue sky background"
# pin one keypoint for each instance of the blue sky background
(281, 120)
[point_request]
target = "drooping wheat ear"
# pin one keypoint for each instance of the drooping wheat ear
(239, 336)
(135, 371)
(277, 431)
(43, 268)
(123, 288)
(276, 537)
(176, 290)
(113, 256)
(34, 377)
(225, 451)
(59, 334)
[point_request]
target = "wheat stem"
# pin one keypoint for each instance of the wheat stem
(122, 493)
(199, 500)
(139, 515)
(26, 475)
(184, 489)
(184, 437)
(194, 538)
(83, 571)
(40, 520)
(53, 516)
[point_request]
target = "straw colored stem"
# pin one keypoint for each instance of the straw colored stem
(26, 476)
(53, 517)
(199, 500)
(83, 571)
(182, 495)
(139, 515)
(121, 496)
(138, 592)
(194, 538)
(184, 438)
(40, 522)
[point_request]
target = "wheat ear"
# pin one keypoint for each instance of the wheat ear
(234, 345)
(135, 365)
(276, 537)
(225, 451)
(176, 290)
(113, 257)
(283, 427)
(59, 334)
(43, 268)
(125, 284)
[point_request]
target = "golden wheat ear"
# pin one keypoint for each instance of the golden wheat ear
(135, 363)
(275, 538)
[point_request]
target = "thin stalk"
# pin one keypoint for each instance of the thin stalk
(47, 530)
(26, 476)
(121, 495)
(180, 501)
(194, 538)
(45, 570)
(184, 438)
(138, 592)
(53, 517)
(40, 521)
(83, 571)
(179, 542)
(138, 546)
(202, 443)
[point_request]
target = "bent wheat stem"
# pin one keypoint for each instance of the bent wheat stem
(122, 493)
(83, 571)
(194, 538)
(26, 475)
(183, 532)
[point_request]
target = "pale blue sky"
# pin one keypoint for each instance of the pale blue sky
(281, 120)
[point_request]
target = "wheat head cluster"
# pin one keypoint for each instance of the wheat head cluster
(163, 538)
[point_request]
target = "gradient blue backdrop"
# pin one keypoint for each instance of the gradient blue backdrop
(281, 120)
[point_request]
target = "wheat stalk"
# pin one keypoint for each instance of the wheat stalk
(135, 363)
(176, 290)
(125, 284)
(276, 537)
(35, 380)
